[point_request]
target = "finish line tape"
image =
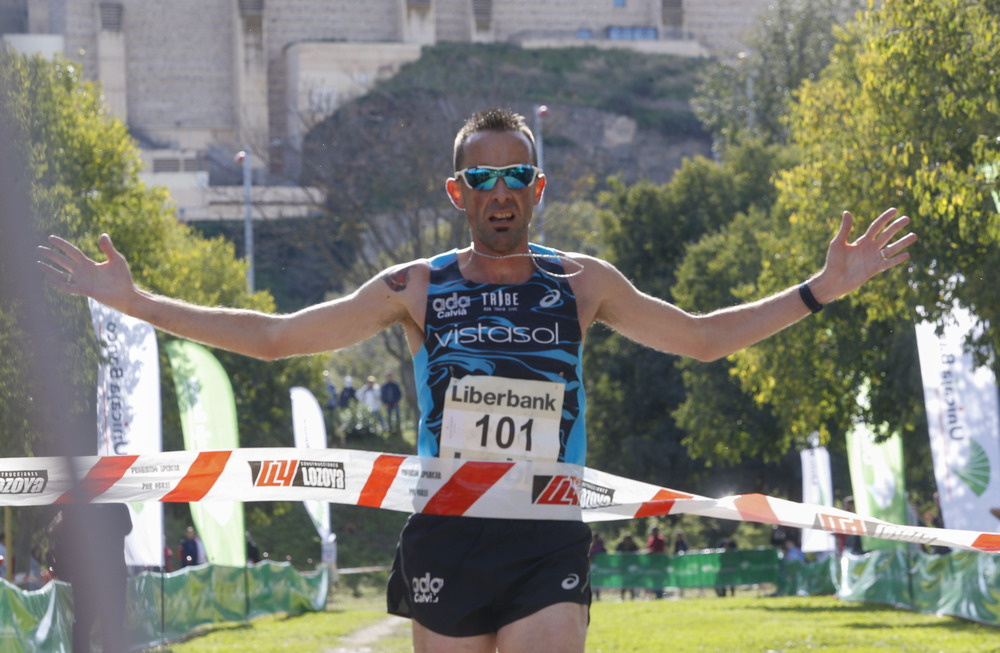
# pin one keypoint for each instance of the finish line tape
(471, 488)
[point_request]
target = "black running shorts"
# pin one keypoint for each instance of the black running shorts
(465, 576)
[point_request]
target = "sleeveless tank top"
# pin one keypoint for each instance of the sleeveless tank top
(499, 375)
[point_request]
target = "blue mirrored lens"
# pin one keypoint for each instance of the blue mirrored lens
(486, 178)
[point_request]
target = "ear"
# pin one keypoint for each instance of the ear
(454, 189)
(539, 188)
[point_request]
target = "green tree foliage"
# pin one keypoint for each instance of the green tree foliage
(752, 90)
(904, 116)
(83, 171)
(633, 393)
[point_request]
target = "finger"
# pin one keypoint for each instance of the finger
(879, 223)
(887, 234)
(846, 224)
(57, 278)
(108, 247)
(70, 250)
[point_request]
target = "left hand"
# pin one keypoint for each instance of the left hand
(850, 265)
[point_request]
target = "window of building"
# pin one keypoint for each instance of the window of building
(111, 16)
(482, 10)
(619, 3)
(633, 33)
(585, 33)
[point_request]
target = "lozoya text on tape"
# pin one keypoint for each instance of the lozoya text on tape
(472, 488)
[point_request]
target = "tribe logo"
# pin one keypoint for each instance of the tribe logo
(298, 473)
(26, 482)
(559, 490)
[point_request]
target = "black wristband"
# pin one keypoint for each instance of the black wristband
(809, 299)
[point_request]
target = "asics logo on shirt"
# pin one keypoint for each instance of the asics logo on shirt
(551, 298)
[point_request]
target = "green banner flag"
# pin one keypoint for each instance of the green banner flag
(878, 481)
(208, 420)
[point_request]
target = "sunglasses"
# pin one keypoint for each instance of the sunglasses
(485, 177)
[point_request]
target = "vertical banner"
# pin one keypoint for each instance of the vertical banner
(208, 420)
(962, 420)
(310, 433)
(817, 489)
(128, 415)
(877, 480)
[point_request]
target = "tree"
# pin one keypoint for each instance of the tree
(635, 398)
(752, 90)
(83, 172)
(905, 115)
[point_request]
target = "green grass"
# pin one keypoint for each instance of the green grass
(747, 622)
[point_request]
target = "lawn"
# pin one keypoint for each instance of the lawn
(748, 622)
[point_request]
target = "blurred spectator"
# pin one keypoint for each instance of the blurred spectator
(391, 396)
(347, 395)
(627, 545)
(191, 550)
(656, 545)
(680, 542)
(371, 398)
(253, 553)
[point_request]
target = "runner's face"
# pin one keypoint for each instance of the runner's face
(498, 218)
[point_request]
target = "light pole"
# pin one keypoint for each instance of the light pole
(540, 112)
(244, 157)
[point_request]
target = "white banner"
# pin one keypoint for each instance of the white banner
(436, 486)
(817, 488)
(128, 414)
(310, 433)
(962, 419)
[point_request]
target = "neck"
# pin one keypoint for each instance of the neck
(486, 267)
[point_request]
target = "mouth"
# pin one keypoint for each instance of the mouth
(502, 219)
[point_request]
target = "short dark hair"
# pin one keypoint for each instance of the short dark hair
(496, 119)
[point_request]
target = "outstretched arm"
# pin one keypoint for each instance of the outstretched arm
(663, 326)
(323, 327)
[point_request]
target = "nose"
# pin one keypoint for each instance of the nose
(500, 190)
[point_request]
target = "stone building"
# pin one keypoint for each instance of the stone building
(198, 80)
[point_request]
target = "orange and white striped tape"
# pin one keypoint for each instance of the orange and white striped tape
(495, 489)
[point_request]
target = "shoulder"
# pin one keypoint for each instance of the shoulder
(595, 282)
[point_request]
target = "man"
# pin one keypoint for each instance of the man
(391, 396)
(496, 316)
(371, 398)
(191, 551)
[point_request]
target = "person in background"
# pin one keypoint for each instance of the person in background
(627, 545)
(680, 542)
(597, 546)
(331, 391)
(370, 396)
(656, 544)
(391, 396)
(191, 550)
(347, 395)
(792, 552)
(253, 552)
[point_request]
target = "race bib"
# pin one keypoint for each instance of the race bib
(495, 418)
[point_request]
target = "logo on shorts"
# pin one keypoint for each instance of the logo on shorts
(24, 482)
(570, 582)
(425, 588)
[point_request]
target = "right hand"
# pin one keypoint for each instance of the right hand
(68, 269)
